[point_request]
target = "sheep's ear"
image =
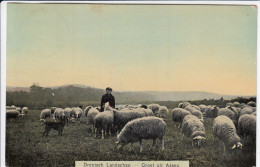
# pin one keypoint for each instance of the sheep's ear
(234, 146)
(195, 137)
(203, 138)
(117, 142)
(119, 147)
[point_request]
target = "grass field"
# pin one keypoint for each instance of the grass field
(26, 147)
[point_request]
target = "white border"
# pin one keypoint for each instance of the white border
(3, 49)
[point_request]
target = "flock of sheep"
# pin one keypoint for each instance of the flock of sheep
(136, 122)
(14, 112)
(229, 122)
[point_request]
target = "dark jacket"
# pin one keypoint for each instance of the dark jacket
(107, 98)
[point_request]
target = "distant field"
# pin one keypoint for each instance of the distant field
(26, 147)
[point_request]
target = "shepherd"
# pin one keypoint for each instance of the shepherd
(108, 97)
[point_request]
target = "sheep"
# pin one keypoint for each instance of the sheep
(154, 108)
(163, 111)
(148, 112)
(122, 117)
(252, 104)
(12, 114)
(45, 114)
(254, 113)
(59, 113)
(246, 110)
(24, 110)
(196, 107)
(104, 120)
(210, 111)
(183, 105)
(90, 117)
(236, 104)
(230, 104)
(142, 128)
(229, 113)
(53, 109)
(247, 126)
(67, 112)
(19, 109)
(77, 112)
(178, 115)
(225, 130)
(142, 106)
(193, 127)
(85, 112)
(59, 126)
(195, 112)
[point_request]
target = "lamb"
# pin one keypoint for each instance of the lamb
(142, 128)
(90, 117)
(247, 126)
(193, 127)
(12, 114)
(154, 108)
(225, 130)
(178, 115)
(252, 104)
(183, 105)
(246, 110)
(56, 125)
(67, 112)
(195, 112)
(59, 113)
(104, 120)
(163, 111)
(45, 114)
(229, 113)
(24, 110)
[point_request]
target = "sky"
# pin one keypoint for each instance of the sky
(133, 47)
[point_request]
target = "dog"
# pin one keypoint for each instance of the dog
(56, 125)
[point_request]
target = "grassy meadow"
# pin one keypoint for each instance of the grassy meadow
(26, 147)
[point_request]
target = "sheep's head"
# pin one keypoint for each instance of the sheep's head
(198, 140)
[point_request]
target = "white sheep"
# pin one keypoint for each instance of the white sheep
(210, 111)
(229, 113)
(183, 105)
(142, 128)
(90, 117)
(178, 115)
(45, 114)
(246, 110)
(236, 104)
(154, 108)
(67, 112)
(85, 112)
(195, 112)
(19, 109)
(163, 111)
(24, 110)
(148, 112)
(252, 104)
(104, 120)
(225, 130)
(77, 112)
(53, 109)
(247, 126)
(192, 127)
(12, 114)
(59, 114)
